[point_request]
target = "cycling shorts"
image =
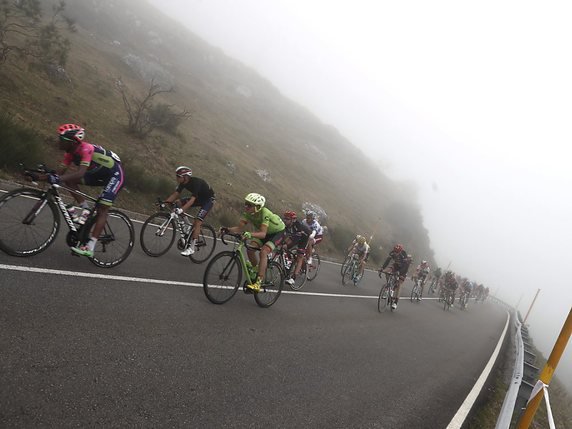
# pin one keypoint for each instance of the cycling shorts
(205, 206)
(271, 240)
(112, 180)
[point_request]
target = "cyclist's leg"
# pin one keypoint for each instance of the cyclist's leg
(201, 215)
(267, 248)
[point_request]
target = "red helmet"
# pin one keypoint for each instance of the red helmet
(290, 214)
(71, 132)
(398, 248)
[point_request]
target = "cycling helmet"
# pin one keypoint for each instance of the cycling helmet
(360, 239)
(71, 132)
(183, 171)
(311, 214)
(423, 262)
(256, 200)
(290, 214)
(398, 248)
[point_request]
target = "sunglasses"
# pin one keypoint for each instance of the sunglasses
(248, 205)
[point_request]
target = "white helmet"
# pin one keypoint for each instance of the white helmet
(256, 200)
(184, 171)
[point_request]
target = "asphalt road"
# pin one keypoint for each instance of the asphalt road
(112, 352)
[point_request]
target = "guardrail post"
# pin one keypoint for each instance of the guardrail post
(546, 375)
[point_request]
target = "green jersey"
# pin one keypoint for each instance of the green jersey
(265, 217)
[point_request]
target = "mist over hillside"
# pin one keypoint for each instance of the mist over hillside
(242, 136)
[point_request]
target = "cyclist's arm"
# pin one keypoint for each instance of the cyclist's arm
(174, 196)
(261, 233)
(75, 175)
(189, 203)
(236, 229)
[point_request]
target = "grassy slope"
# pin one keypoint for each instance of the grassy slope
(307, 160)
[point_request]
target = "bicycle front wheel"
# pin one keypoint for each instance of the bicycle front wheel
(114, 243)
(222, 277)
(205, 245)
(29, 222)
(348, 273)
(346, 262)
(271, 287)
(313, 268)
(300, 279)
(383, 299)
(158, 234)
(414, 293)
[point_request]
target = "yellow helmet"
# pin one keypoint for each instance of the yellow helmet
(360, 239)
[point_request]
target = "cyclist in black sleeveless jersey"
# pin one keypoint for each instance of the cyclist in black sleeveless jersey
(202, 195)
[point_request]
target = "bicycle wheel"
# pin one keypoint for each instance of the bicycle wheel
(346, 261)
(347, 275)
(205, 245)
(313, 268)
(271, 287)
(222, 277)
(383, 299)
(114, 243)
(300, 279)
(446, 303)
(29, 222)
(158, 234)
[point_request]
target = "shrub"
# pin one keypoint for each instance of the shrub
(20, 145)
(139, 179)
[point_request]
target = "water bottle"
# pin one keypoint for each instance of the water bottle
(83, 216)
(287, 261)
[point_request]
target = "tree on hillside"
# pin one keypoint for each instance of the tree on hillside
(25, 31)
(144, 115)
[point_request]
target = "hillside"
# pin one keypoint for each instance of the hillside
(240, 126)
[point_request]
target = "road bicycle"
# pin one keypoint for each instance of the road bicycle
(448, 298)
(387, 292)
(463, 300)
(313, 268)
(287, 261)
(351, 273)
(30, 221)
(417, 291)
(433, 286)
(159, 231)
(228, 270)
(346, 261)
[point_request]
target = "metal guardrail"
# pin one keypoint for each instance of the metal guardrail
(508, 405)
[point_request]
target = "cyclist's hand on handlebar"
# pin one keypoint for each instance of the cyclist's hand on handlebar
(223, 230)
(52, 179)
(179, 211)
(247, 235)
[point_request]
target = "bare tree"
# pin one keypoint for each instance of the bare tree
(144, 116)
(25, 31)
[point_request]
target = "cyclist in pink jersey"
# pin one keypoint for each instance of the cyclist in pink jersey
(96, 166)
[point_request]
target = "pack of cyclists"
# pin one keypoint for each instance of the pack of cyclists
(96, 166)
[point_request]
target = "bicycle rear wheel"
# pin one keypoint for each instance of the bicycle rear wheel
(313, 268)
(158, 234)
(272, 285)
(29, 222)
(415, 293)
(383, 299)
(222, 277)
(205, 245)
(114, 243)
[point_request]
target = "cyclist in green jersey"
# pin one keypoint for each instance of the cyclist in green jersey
(268, 232)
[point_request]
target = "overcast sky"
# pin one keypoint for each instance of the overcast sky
(472, 101)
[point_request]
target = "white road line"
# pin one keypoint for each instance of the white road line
(461, 415)
(159, 281)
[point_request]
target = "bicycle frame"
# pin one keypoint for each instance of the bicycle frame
(52, 192)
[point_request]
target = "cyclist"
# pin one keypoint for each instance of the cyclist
(295, 234)
(401, 261)
(269, 231)
(450, 285)
(96, 166)
(202, 195)
(421, 273)
(360, 247)
(316, 235)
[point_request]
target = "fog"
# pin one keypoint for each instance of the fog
(472, 102)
